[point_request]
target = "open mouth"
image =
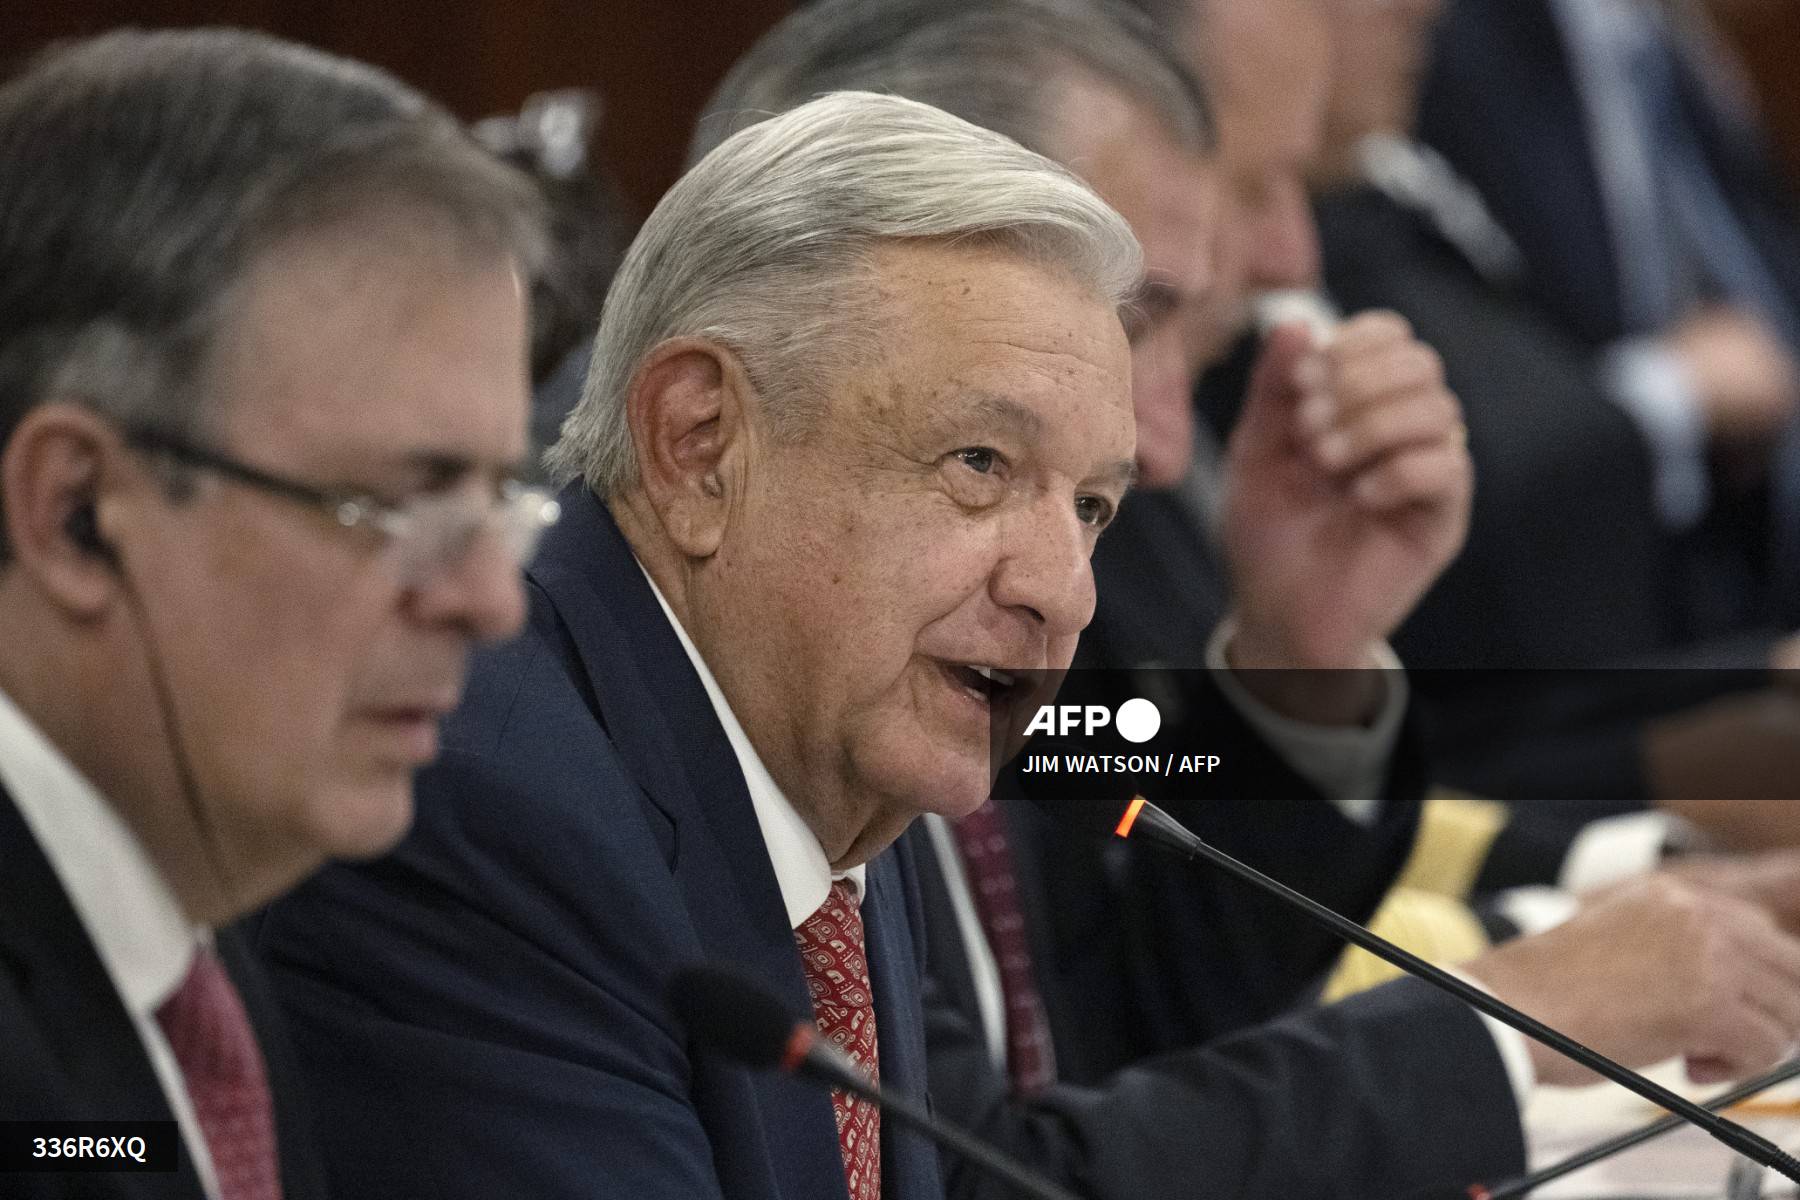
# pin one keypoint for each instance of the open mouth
(989, 685)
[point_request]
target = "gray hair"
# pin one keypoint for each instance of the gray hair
(142, 173)
(765, 248)
(1000, 64)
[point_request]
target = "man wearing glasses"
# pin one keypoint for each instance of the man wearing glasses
(262, 409)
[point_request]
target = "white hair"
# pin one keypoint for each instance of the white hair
(765, 248)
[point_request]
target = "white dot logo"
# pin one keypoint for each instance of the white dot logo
(1138, 720)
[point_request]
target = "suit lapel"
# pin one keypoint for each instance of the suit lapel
(891, 922)
(75, 1053)
(657, 714)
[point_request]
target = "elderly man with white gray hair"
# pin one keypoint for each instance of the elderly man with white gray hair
(860, 407)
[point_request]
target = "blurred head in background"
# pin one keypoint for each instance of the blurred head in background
(1267, 64)
(552, 139)
(1383, 48)
(1090, 85)
(262, 402)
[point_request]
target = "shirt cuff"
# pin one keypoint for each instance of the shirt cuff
(1348, 764)
(1614, 849)
(1646, 380)
(1515, 1054)
(1532, 910)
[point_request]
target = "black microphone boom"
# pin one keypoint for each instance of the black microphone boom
(1514, 1188)
(740, 1019)
(1141, 818)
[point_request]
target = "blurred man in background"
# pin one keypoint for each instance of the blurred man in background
(1571, 567)
(1619, 151)
(262, 399)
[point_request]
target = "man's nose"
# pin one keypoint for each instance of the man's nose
(482, 591)
(1285, 252)
(1045, 569)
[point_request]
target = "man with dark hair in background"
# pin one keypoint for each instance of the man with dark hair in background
(262, 407)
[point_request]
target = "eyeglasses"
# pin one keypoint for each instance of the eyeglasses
(426, 534)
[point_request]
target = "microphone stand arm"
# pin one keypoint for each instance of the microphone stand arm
(1145, 819)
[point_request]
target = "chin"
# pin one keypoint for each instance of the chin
(949, 785)
(365, 818)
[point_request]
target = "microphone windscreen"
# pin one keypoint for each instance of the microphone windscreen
(733, 1015)
(1089, 805)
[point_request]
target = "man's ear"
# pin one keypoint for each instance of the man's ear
(688, 411)
(53, 480)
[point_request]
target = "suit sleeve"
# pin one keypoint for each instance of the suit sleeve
(1148, 953)
(1397, 1092)
(473, 1028)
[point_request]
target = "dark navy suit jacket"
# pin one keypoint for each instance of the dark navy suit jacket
(1501, 104)
(69, 1050)
(483, 1011)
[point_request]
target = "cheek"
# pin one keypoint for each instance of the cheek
(918, 749)
(277, 636)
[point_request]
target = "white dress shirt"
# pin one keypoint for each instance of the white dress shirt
(802, 871)
(144, 940)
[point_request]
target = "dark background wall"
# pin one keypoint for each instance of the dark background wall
(655, 61)
(1767, 33)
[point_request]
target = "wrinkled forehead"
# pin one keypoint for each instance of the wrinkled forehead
(985, 343)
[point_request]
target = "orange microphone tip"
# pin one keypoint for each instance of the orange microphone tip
(799, 1044)
(1478, 1192)
(1130, 817)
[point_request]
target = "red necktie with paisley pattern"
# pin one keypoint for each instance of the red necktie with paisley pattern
(837, 975)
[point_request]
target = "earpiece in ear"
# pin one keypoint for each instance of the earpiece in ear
(83, 528)
(711, 485)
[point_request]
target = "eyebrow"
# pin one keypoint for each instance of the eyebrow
(991, 408)
(439, 468)
(1151, 298)
(1124, 473)
(1025, 423)
(1157, 293)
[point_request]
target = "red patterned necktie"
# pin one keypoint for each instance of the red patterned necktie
(837, 975)
(223, 1069)
(988, 863)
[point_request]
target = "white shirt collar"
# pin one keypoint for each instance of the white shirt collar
(802, 871)
(143, 938)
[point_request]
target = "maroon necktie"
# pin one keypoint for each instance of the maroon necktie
(223, 1069)
(988, 863)
(837, 975)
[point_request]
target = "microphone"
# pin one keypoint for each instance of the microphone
(740, 1020)
(1522, 1184)
(1144, 819)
